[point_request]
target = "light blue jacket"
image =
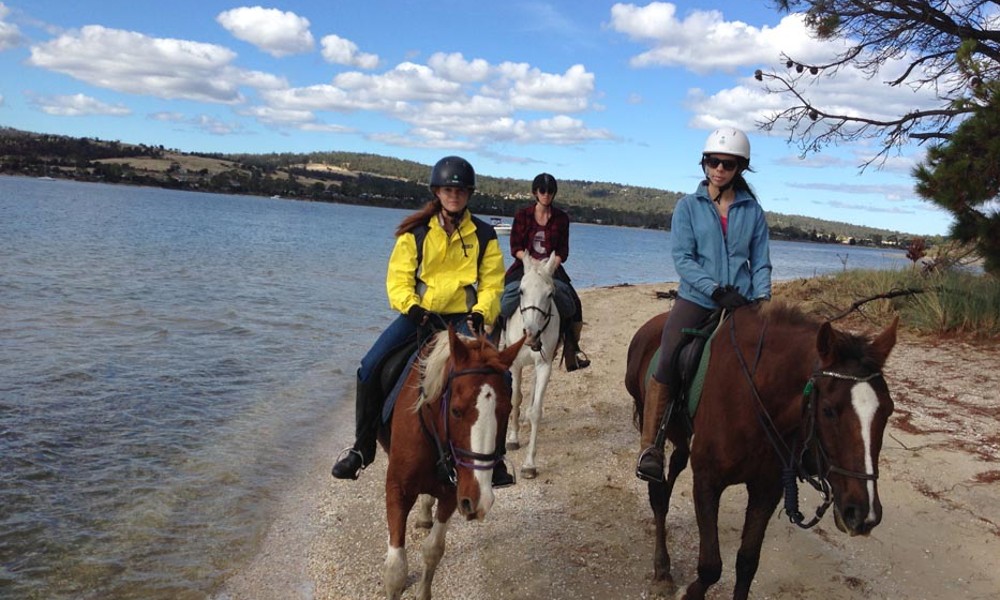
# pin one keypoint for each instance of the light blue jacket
(705, 259)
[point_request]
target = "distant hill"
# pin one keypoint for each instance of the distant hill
(369, 179)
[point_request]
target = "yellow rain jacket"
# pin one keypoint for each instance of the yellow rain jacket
(451, 278)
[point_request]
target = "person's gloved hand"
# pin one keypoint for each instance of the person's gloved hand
(728, 298)
(418, 315)
(475, 321)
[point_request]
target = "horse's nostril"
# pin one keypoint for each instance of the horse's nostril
(854, 517)
(466, 506)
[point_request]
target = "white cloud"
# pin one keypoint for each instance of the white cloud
(78, 105)
(454, 67)
(339, 51)
(276, 32)
(456, 102)
(10, 34)
(206, 123)
(704, 42)
(701, 42)
(131, 62)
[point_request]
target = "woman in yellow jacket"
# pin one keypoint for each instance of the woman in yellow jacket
(446, 268)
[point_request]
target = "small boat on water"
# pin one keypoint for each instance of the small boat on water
(500, 227)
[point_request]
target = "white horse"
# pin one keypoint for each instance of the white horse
(538, 320)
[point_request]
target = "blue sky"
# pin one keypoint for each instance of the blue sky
(599, 91)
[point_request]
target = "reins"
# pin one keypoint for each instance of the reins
(452, 457)
(791, 464)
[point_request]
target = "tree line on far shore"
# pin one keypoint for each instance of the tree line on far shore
(367, 179)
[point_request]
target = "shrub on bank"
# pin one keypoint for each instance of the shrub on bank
(945, 303)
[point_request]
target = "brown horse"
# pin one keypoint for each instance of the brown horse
(442, 442)
(785, 397)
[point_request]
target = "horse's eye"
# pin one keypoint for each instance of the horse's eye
(456, 413)
(828, 412)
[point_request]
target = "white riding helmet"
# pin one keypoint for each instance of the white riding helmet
(728, 140)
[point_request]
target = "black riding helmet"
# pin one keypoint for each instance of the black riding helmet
(545, 182)
(453, 171)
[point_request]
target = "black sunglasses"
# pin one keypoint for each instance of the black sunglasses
(728, 164)
(545, 190)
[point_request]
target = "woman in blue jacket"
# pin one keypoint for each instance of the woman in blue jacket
(720, 248)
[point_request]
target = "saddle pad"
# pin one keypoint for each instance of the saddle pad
(390, 399)
(698, 382)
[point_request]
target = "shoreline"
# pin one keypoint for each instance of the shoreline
(583, 528)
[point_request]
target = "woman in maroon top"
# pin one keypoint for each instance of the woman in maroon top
(540, 230)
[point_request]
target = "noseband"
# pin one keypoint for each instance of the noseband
(452, 457)
(537, 344)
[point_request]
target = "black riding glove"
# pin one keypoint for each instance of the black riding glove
(418, 314)
(728, 298)
(475, 321)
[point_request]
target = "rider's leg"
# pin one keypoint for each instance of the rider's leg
(684, 314)
(510, 298)
(367, 412)
(501, 477)
(368, 400)
(571, 315)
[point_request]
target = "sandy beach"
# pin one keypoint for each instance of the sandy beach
(583, 528)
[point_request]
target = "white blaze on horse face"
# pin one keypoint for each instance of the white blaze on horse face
(483, 438)
(865, 403)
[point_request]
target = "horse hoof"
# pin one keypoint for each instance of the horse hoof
(513, 445)
(664, 588)
(421, 524)
(529, 472)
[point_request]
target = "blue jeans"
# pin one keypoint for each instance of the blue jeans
(399, 332)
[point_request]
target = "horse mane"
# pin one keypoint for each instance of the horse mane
(433, 365)
(846, 344)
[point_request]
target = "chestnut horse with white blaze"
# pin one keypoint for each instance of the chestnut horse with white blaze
(785, 399)
(442, 442)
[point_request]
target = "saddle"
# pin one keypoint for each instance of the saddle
(392, 373)
(689, 364)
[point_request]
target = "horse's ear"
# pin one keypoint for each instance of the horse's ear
(459, 351)
(528, 260)
(883, 344)
(510, 352)
(550, 263)
(825, 343)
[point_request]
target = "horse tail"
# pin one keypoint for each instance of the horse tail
(633, 379)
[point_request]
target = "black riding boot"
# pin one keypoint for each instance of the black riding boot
(501, 477)
(574, 357)
(367, 413)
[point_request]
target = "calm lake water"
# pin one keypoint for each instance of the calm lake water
(164, 354)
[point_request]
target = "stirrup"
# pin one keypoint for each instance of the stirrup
(344, 454)
(647, 476)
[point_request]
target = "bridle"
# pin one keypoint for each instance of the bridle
(547, 314)
(451, 457)
(792, 466)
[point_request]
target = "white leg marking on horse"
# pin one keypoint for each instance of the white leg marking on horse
(865, 403)
(394, 572)
(433, 550)
(483, 440)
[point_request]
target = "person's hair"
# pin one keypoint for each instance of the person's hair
(544, 180)
(419, 217)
